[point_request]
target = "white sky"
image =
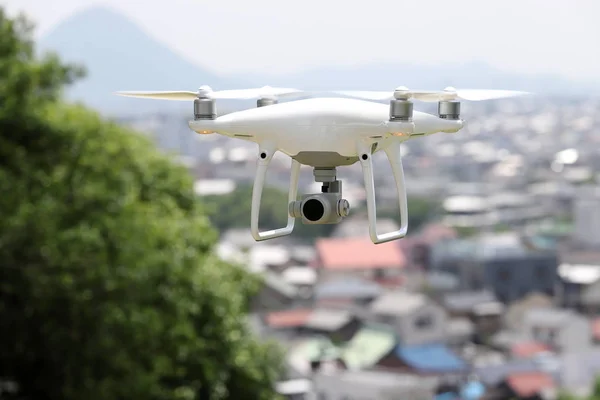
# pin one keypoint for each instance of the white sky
(236, 36)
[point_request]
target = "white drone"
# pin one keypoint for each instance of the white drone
(325, 133)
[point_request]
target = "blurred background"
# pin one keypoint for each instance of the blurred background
(129, 268)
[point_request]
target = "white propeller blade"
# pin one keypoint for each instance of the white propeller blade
(254, 93)
(437, 95)
(366, 94)
(162, 95)
(485, 94)
(237, 94)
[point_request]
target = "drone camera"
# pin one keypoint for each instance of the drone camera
(320, 208)
(449, 109)
(326, 207)
(204, 108)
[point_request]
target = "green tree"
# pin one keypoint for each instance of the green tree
(420, 211)
(109, 287)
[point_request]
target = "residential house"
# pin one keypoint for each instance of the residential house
(307, 355)
(432, 359)
(359, 257)
(528, 349)
(275, 294)
(463, 304)
(525, 386)
(346, 291)
(302, 254)
(302, 278)
(368, 346)
(487, 318)
(295, 389)
(579, 274)
(589, 299)
(459, 332)
(481, 307)
(595, 324)
(509, 264)
(419, 245)
(559, 329)
(438, 283)
(366, 385)
(513, 317)
(291, 320)
(338, 325)
(493, 374)
(415, 318)
(586, 211)
(580, 371)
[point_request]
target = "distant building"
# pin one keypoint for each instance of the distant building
(559, 329)
(415, 318)
(510, 265)
(579, 286)
(348, 291)
(359, 257)
(586, 213)
(433, 359)
(372, 385)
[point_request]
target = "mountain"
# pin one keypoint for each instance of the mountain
(119, 55)
(472, 75)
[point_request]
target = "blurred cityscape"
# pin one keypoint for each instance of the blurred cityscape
(494, 297)
(494, 293)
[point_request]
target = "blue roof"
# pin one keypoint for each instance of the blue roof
(472, 390)
(430, 357)
(446, 396)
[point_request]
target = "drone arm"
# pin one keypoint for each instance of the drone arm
(265, 156)
(393, 153)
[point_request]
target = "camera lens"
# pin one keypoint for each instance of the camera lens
(313, 210)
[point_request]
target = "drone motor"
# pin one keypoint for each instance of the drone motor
(265, 101)
(448, 105)
(449, 109)
(401, 108)
(205, 108)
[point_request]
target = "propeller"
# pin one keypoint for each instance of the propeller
(449, 93)
(207, 92)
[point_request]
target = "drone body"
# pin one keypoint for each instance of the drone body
(322, 125)
(326, 133)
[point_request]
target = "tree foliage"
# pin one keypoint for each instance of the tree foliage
(109, 288)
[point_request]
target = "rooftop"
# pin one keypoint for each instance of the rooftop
(398, 303)
(288, 318)
(431, 358)
(347, 288)
(549, 316)
(527, 384)
(467, 301)
(368, 346)
(329, 320)
(358, 253)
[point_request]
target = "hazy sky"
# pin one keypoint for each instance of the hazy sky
(560, 36)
